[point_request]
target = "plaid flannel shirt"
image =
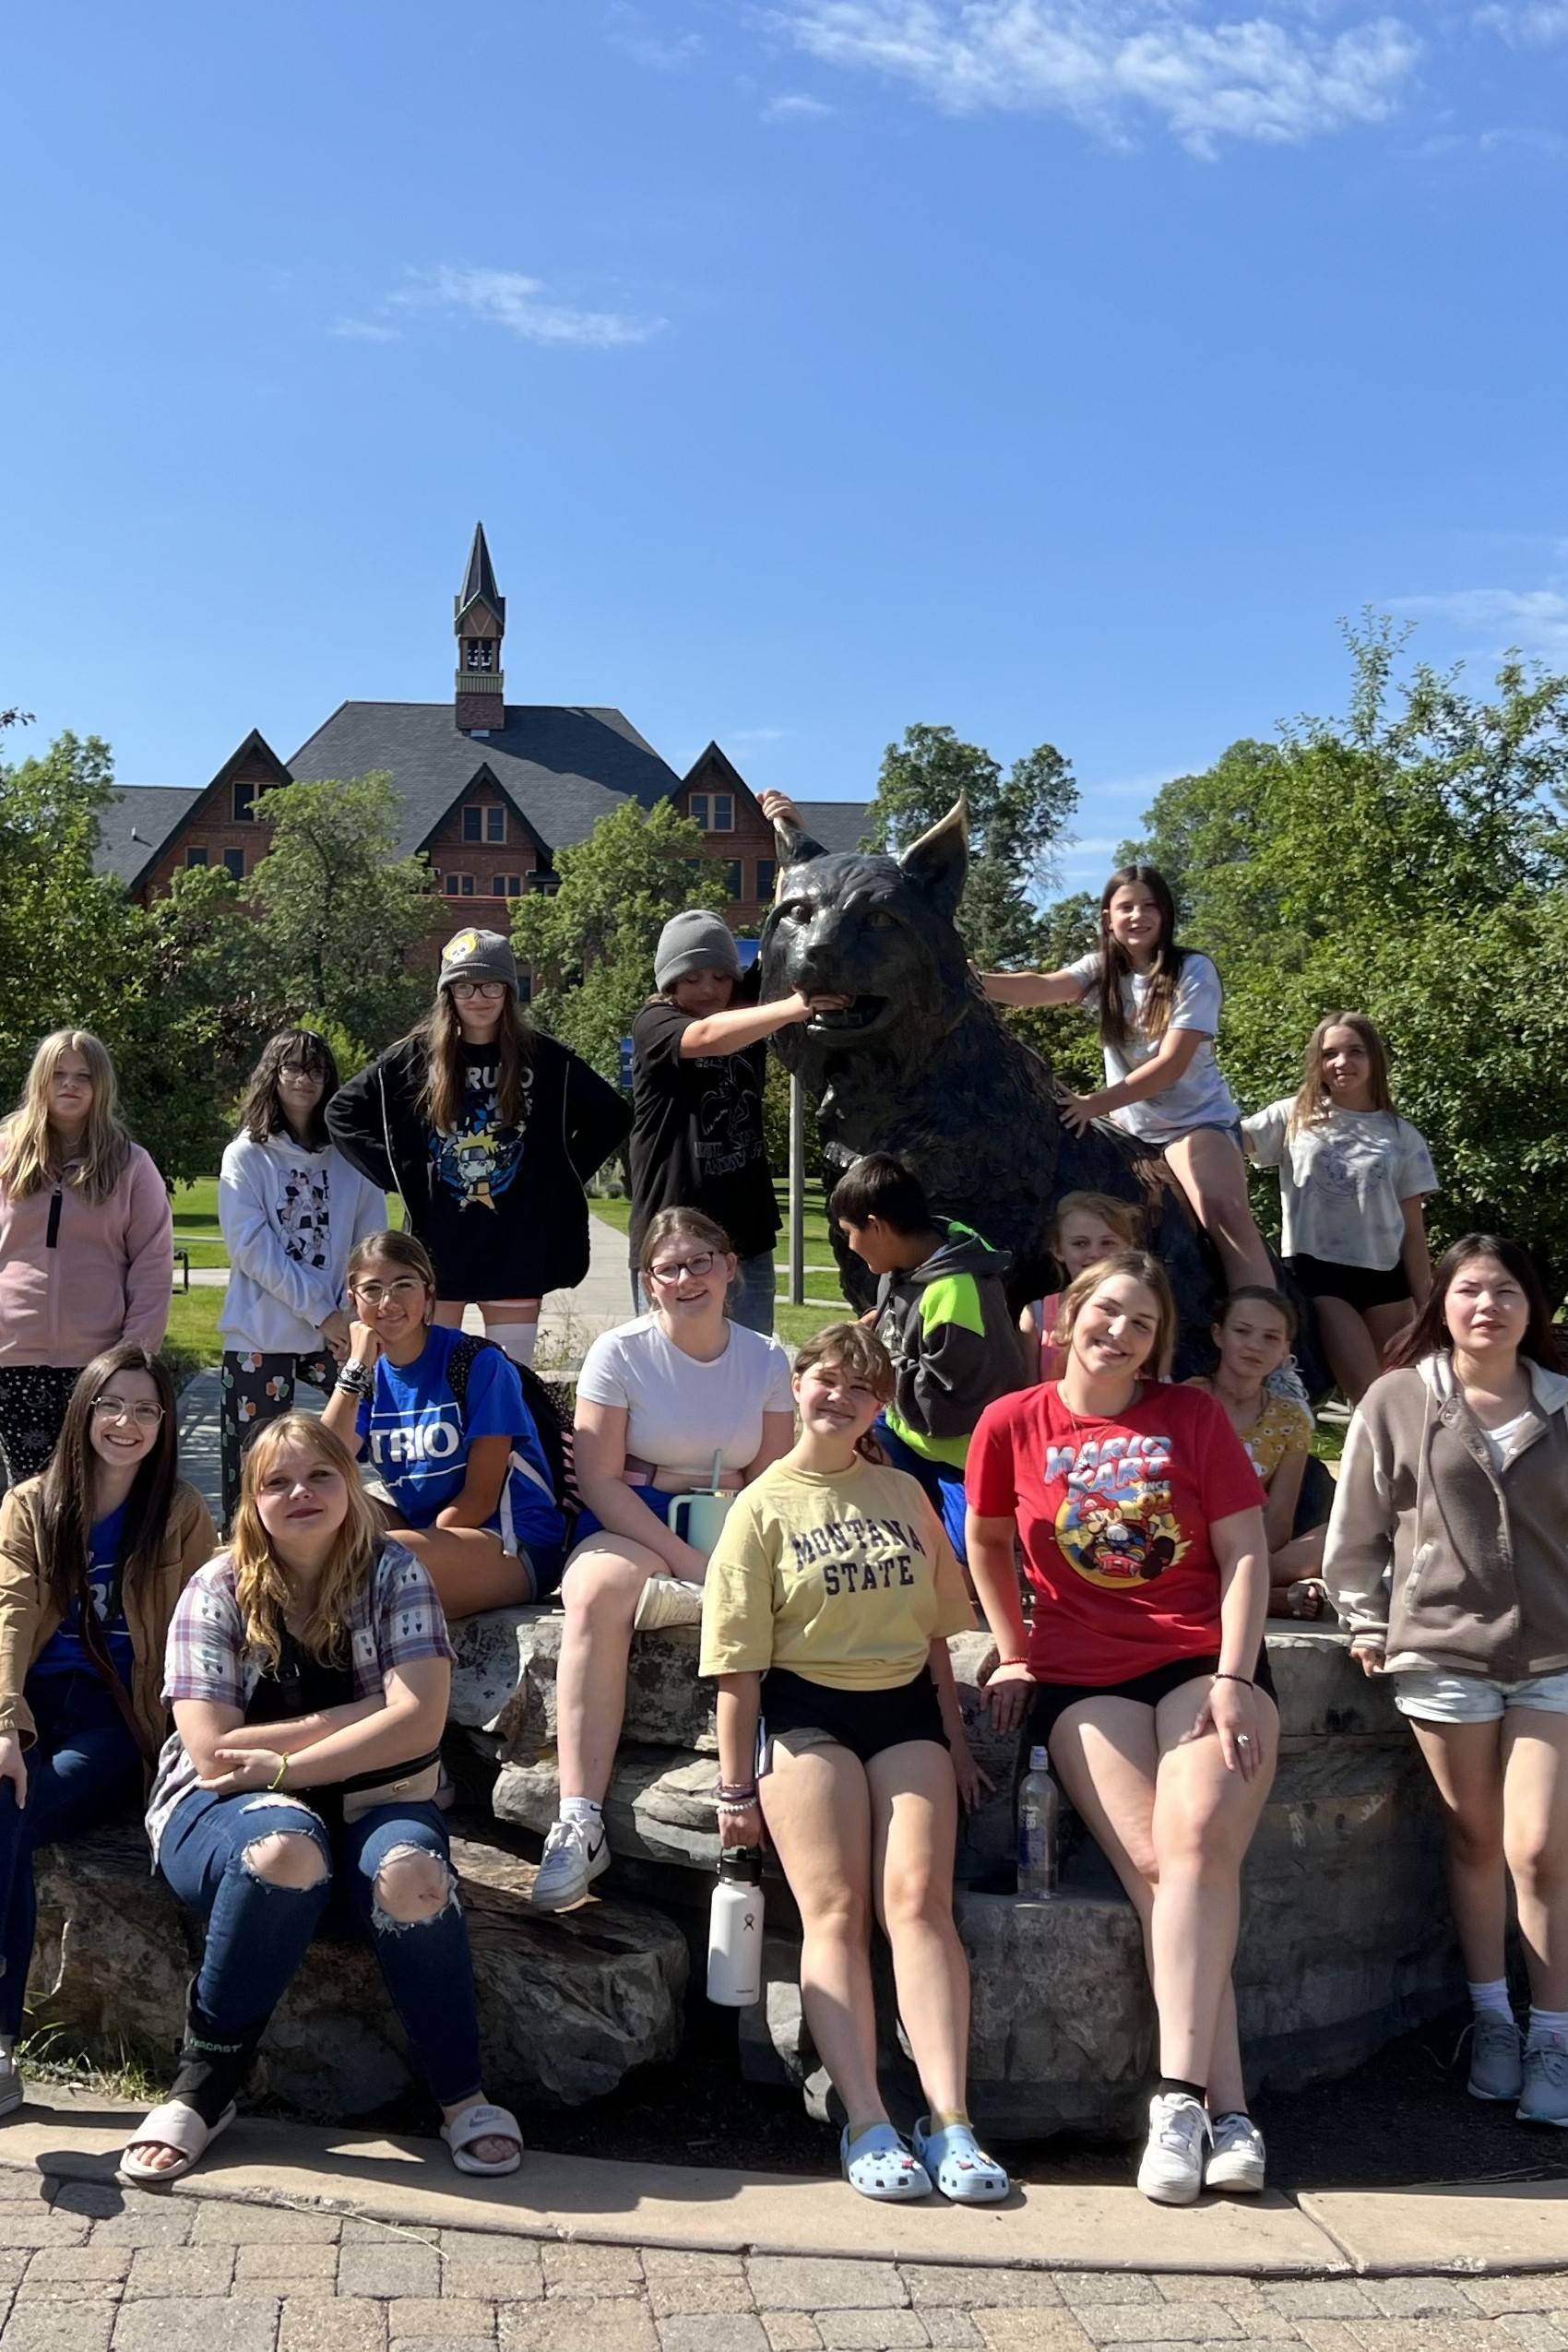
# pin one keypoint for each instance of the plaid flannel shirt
(396, 1621)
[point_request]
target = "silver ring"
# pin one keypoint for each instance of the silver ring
(1244, 1739)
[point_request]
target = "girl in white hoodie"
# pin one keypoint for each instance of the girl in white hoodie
(291, 1208)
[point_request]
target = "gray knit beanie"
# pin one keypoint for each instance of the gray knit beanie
(697, 942)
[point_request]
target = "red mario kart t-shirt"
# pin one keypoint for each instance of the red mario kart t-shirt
(1115, 1516)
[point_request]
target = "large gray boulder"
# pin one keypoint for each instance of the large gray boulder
(504, 1684)
(568, 2006)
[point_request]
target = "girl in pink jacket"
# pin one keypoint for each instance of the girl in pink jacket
(87, 1243)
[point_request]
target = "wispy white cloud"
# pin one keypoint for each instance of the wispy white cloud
(364, 331)
(1528, 24)
(1504, 138)
(753, 737)
(521, 306)
(1113, 65)
(1494, 620)
(631, 31)
(795, 106)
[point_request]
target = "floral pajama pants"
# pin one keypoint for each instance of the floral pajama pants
(256, 1390)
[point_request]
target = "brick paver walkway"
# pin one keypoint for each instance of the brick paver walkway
(86, 2268)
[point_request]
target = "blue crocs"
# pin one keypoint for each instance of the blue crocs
(880, 2165)
(960, 2166)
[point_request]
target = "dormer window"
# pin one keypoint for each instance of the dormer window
(244, 800)
(481, 654)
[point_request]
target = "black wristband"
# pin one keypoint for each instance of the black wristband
(1245, 1680)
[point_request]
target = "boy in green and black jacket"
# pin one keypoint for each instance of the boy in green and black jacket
(942, 1314)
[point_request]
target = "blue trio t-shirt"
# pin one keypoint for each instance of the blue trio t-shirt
(417, 1440)
(63, 1653)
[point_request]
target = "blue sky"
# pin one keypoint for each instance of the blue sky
(1059, 369)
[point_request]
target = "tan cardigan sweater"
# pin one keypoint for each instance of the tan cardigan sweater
(29, 1615)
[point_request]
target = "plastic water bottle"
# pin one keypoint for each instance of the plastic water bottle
(734, 1929)
(1039, 1805)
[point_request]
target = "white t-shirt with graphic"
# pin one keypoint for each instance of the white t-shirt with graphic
(1343, 1181)
(1199, 1097)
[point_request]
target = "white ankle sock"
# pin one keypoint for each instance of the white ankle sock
(581, 1809)
(519, 1339)
(1491, 1999)
(1546, 2025)
(7, 2046)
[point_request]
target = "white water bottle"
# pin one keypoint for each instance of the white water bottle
(1038, 1806)
(734, 1929)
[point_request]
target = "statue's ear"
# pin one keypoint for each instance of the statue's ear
(938, 863)
(796, 848)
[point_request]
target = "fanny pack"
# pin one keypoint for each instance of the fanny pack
(410, 1783)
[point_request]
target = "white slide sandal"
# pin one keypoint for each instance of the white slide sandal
(483, 2121)
(173, 2125)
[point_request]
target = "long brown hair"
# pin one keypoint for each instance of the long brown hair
(1314, 1101)
(440, 1036)
(1430, 1335)
(66, 1490)
(1152, 1274)
(1160, 1000)
(261, 1582)
(29, 1154)
(398, 1249)
(671, 1221)
(262, 1115)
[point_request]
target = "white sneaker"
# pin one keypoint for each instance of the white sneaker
(1235, 2157)
(575, 1853)
(667, 1601)
(1172, 2171)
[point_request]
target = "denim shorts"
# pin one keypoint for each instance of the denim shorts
(1474, 1698)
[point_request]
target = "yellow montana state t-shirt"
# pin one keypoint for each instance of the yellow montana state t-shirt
(846, 1580)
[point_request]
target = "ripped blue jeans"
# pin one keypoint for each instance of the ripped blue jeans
(257, 1932)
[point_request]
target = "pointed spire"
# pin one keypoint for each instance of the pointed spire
(478, 581)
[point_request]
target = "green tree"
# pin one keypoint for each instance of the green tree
(1016, 819)
(338, 910)
(591, 947)
(1408, 860)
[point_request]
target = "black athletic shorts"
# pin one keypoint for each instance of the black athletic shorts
(1053, 1699)
(863, 1721)
(1359, 1285)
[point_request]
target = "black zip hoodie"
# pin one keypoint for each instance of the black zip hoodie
(502, 1210)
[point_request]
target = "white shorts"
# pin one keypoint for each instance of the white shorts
(1474, 1698)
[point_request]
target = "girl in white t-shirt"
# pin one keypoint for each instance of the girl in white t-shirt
(1353, 1176)
(1159, 1009)
(658, 1400)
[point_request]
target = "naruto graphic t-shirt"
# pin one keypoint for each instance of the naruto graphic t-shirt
(1113, 1516)
(417, 1437)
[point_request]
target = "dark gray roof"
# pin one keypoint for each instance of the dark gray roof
(479, 580)
(137, 821)
(564, 765)
(837, 825)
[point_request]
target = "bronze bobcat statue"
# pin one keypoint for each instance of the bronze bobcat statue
(920, 1064)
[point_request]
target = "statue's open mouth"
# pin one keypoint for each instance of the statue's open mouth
(860, 1012)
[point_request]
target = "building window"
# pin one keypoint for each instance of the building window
(457, 886)
(473, 824)
(766, 880)
(697, 809)
(495, 825)
(235, 862)
(508, 886)
(244, 802)
(732, 878)
(723, 813)
(195, 857)
(479, 655)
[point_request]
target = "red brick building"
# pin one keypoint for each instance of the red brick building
(491, 789)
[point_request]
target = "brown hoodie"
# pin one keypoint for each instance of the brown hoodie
(1452, 1563)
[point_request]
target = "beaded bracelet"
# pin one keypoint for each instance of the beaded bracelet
(1008, 1661)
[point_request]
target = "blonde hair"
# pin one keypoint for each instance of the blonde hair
(1314, 1102)
(261, 1581)
(27, 1155)
(1152, 1274)
(1123, 1217)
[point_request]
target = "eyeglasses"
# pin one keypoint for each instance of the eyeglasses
(702, 1262)
(489, 989)
(114, 1409)
(377, 1294)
